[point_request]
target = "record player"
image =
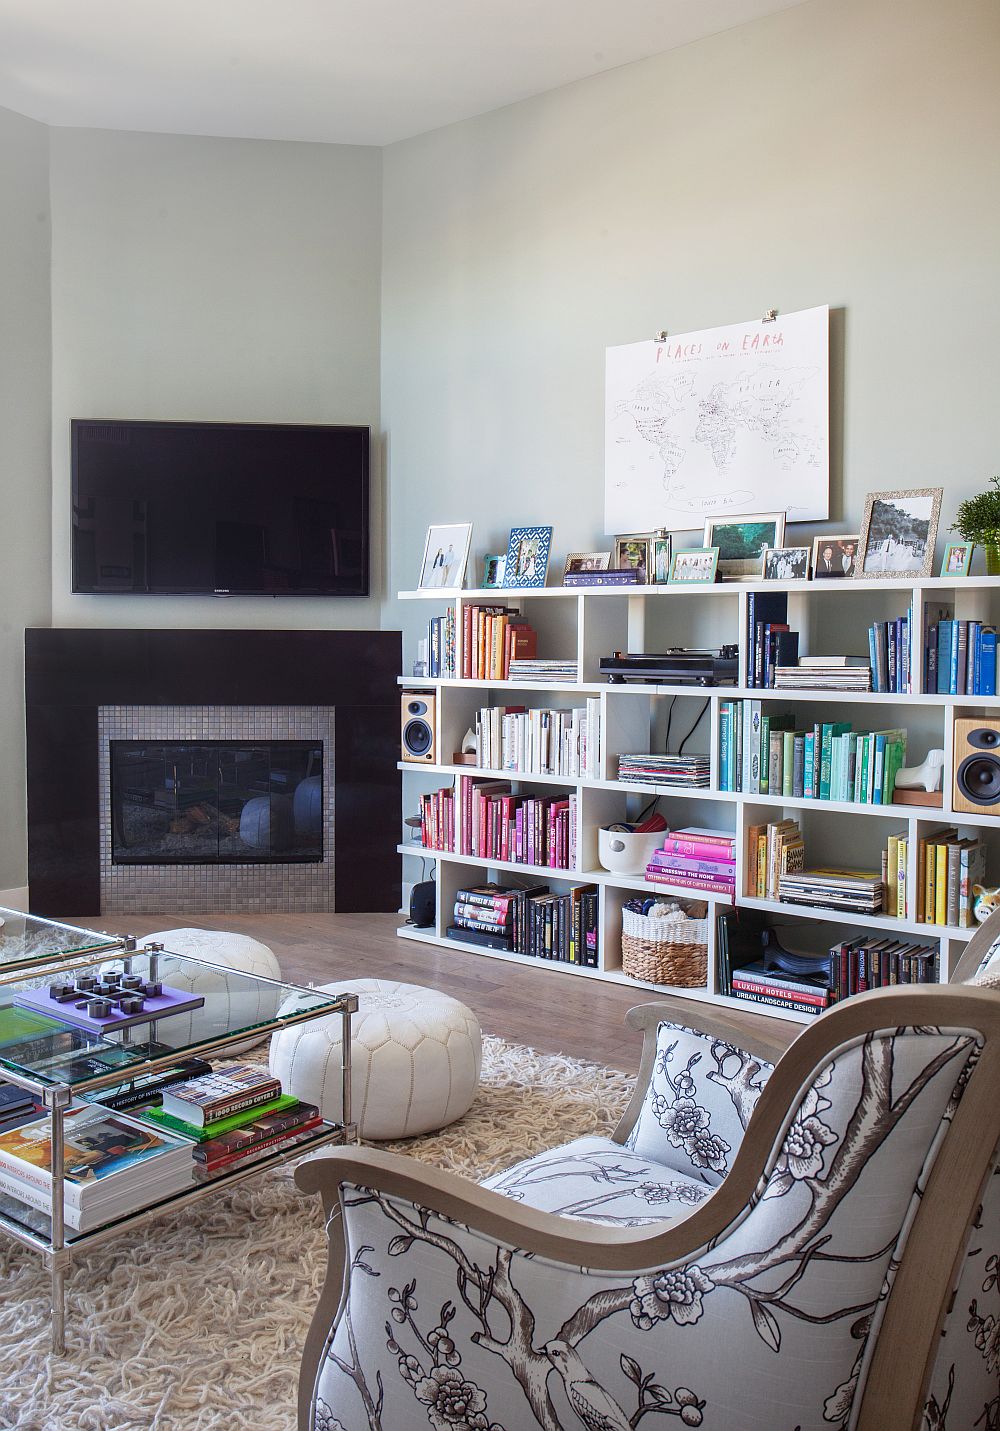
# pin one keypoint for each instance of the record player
(679, 666)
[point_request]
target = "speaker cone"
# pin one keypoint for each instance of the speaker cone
(417, 737)
(978, 777)
(984, 739)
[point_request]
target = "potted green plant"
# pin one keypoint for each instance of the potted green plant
(978, 520)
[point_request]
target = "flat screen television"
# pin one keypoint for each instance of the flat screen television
(228, 509)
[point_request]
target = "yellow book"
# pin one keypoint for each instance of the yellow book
(929, 862)
(762, 865)
(941, 884)
(891, 874)
(901, 871)
(752, 887)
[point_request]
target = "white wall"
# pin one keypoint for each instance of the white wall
(24, 451)
(842, 152)
(212, 279)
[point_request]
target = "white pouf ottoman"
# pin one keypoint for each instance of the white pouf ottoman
(232, 951)
(416, 1057)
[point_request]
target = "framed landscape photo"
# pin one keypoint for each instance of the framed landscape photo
(785, 564)
(493, 571)
(527, 559)
(898, 533)
(835, 556)
(634, 552)
(446, 552)
(699, 566)
(742, 542)
(586, 561)
(957, 559)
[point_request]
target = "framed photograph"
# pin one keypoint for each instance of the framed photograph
(527, 556)
(634, 552)
(698, 566)
(446, 552)
(834, 556)
(742, 542)
(785, 564)
(957, 558)
(898, 533)
(493, 571)
(586, 561)
(663, 549)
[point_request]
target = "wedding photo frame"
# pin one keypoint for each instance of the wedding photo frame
(527, 560)
(742, 542)
(493, 566)
(446, 553)
(898, 533)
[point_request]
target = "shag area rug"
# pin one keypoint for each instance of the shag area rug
(196, 1322)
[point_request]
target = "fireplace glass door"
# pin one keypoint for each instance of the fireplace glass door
(216, 802)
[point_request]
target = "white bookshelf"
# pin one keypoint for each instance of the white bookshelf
(831, 617)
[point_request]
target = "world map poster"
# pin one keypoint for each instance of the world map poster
(722, 422)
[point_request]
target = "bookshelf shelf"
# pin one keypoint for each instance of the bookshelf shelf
(584, 624)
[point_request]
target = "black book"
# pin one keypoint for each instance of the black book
(763, 608)
(13, 1099)
(476, 936)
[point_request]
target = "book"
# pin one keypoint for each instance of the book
(229, 1089)
(203, 1134)
(264, 1130)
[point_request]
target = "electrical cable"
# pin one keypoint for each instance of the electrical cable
(680, 748)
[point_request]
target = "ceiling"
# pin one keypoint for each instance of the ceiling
(334, 71)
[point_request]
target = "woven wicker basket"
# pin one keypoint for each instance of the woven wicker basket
(669, 950)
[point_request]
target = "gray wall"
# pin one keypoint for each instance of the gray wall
(24, 451)
(211, 279)
(841, 152)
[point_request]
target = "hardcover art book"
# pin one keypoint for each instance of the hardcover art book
(98, 1145)
(230, 1088)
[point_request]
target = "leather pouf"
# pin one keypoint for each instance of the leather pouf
(266, 823)
(415, 1065)
(233, 951)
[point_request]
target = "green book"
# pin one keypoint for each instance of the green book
(787, 763)
(866, 743)
(224, 1125)
(765, 753)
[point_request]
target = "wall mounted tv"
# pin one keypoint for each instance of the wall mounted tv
(228, 509)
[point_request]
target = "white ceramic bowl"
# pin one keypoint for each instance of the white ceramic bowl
(622, 853)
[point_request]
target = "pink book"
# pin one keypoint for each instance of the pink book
(687, 864)
(700, 849)
(710, 886)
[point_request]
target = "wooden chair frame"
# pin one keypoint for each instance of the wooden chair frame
(895, 1389)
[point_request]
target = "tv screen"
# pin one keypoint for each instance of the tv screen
(231, 509)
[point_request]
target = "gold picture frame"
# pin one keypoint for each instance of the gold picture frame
(892, 544)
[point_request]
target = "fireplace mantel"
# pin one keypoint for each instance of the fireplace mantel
(71, 674)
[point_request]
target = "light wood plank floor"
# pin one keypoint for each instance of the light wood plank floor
(543, 1008)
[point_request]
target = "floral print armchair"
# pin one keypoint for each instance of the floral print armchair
(754, 1250)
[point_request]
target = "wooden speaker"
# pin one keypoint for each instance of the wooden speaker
(976, 772)
(417, 729)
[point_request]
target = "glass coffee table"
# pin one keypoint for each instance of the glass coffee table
(66, 1062)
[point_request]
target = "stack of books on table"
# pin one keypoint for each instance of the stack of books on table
(856, 891)
(233, 1115)
(825, 673)
(114, 1165)
(539, 672)
(696, 859)
(685, 771)
(17, 1106)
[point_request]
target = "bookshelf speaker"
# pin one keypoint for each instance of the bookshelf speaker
(976, 783)
(417, 730)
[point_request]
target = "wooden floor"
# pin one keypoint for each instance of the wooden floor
(543, 1008)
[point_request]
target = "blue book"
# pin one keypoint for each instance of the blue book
(809, 766)
(724, 710)
(945, 638)
(873, 657)
(762, 607)
(971, 687)
(988, 661)
(953, 660)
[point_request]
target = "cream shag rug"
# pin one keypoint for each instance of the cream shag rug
(196, 1322)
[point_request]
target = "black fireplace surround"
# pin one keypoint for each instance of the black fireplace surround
(69, 674)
